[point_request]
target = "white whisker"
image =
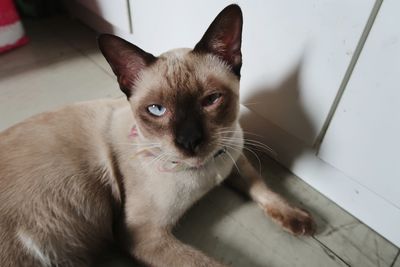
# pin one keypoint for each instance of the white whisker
(251, 103)
(252, 143)
(139, 144)
(236, 147)
(233, 160)
(245, 132)
(156, 158)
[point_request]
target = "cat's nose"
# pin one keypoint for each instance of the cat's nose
(190, 141)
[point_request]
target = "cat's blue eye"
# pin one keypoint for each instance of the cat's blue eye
(156, 110)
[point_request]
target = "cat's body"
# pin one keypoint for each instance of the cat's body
(39, 206)
(45, 163)
(74, 180)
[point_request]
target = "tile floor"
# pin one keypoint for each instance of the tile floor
(62, 64)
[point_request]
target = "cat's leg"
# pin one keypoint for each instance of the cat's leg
(292, 219)
(158, 247)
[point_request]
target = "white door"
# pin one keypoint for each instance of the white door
(363, 140)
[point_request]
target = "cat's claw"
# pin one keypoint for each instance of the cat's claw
(294, 220)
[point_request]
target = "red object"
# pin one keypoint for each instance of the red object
(11, 30)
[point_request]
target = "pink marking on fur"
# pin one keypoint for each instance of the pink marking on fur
(173, 167)
(161, 168)
(134, 132)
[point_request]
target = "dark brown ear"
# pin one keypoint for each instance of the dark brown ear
(224, 37)
(125, 59)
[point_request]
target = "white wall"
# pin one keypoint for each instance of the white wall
(115, 12)
(363, 138)
(295, 53)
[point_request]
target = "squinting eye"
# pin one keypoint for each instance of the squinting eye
(211, 99)
(156, 110)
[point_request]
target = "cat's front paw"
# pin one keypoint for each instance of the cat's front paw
(294, 220)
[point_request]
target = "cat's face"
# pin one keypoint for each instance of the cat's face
(185, 100)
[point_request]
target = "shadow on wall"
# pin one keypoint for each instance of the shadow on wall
(282, 103)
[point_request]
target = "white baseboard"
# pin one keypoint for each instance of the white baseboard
(367, 206)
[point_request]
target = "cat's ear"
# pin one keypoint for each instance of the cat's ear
(126, 60)
(223, 37)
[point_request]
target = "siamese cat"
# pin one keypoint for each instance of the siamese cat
(86, 175)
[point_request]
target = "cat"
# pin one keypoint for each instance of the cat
(77, 179)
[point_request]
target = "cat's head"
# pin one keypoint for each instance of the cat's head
(187, 100)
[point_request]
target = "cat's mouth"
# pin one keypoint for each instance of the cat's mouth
(195, 164)
(179, 165)
(198, 163)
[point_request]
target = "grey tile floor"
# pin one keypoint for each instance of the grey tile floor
(62, 65)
